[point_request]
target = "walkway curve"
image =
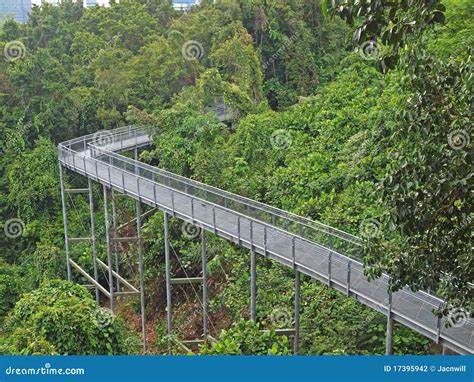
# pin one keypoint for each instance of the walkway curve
(320, 251)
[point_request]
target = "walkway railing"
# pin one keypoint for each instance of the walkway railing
(323, 252)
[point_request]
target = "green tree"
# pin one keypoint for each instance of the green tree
(66, 320)
(427, 185)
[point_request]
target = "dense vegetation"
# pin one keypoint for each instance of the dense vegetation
(374, 142)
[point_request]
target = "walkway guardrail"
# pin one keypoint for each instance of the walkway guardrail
(306, 228)
(325, 253)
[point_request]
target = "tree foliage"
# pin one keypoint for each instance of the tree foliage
(62, 318)
(309, 126)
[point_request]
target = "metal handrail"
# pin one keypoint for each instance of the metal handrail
(242, 199)
(207, 201)
(106, 153)
(274, 212)
(141, 170)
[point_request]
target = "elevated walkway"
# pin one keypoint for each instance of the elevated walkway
(322, 252)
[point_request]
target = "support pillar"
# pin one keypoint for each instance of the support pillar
(66, 237)
(114, 227)
(94, 239)
(140, 272)
(168, 273)
(296, 339)
(388, 341)
(109, 254)
(204, 286)
(253, 286)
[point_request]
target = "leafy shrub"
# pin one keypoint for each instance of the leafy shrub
(61, 317)
(245, 338)
(10, 286)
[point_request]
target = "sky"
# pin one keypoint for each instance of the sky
(38, 2)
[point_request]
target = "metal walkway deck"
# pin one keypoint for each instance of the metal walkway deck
(320, 251)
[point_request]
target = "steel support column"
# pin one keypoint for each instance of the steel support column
(66, 237)
(94, 238)
(140, 272)
(296, 339)
(204, 286)
(114, 227)
(168, 273)
(253, 286)
(109, 254)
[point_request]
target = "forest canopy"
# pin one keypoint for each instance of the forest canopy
(358, 118)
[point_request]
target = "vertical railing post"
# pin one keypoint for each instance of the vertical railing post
(293, 251)
(214, 220)
(110, 176)
(94, 238)
(239, 241)
(96, 169)
(109, 254)
(140, 272)
(168, 273)
(388, 342)
(73, 159)
(135, 156)
(329, 268)
(349, 267)
(439, 323)
(265, 240)
(172, 201)
(296, 339)
(66, 236)
(204, 286)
